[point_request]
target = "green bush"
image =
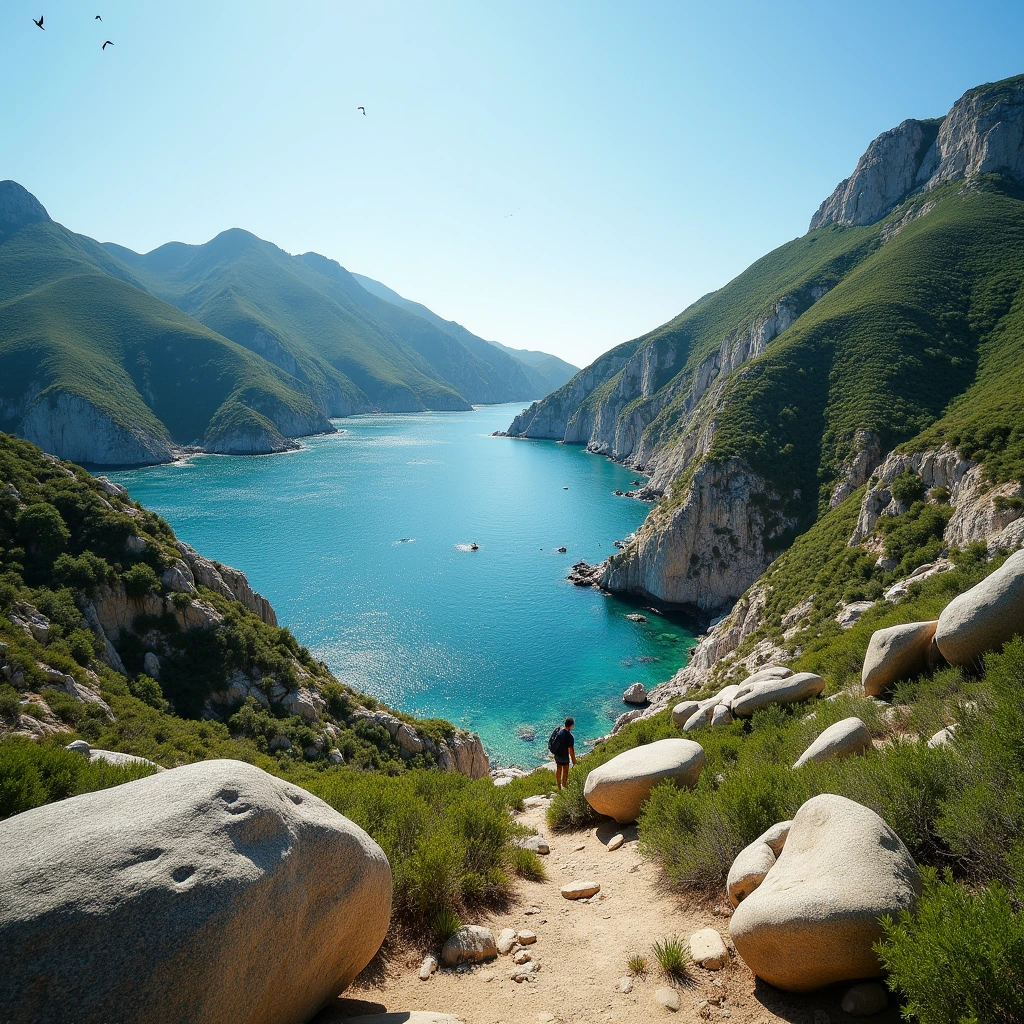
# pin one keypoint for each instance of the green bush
(449, 839)
(673, 956)
(906, 488)
(140, 580)
(10, 703)
(33, 773)
(41, 527)
(959, 959)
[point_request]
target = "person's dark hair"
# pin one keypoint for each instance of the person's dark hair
(570, 722)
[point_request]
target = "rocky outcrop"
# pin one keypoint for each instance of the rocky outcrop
(72, 428)
(751, 697)
(982, 134)
(710, 548)
(196, 872)
(224, 580)
(896, 653)
(814, 918)
(19, 207)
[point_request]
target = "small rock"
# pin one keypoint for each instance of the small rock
(486, 975)
(527, 938)
(616, 841)
(533, 910)
(636, 617)
(506, 940)
(865, 999)
(545, 1018)
(707, 949)
(583, 846)
(470, 944)
(580, 889)
(668, 997)
(522, 957)
(79, 747)
(532, 803)
(636, 693)
(940, 739)
(536, 843)
(625, 986)
(427, 968)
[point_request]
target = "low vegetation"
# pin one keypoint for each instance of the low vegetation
(673, 956)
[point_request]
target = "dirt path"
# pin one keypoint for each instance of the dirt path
(582, 950)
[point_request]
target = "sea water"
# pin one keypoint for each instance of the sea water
(362, 543)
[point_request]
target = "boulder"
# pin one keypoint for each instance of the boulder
(776, 836)
(619, 787)
(985, 617)
(79, 747)
(789, 690)
(721, 714)
(538, 844)
(943, 736)
(748, 870)
(895, 653)
(506, 940)
(110, 899)
(469, 945)
(865, 999)
(768, 672)
(682, 711)
(850, 736)
(636, 693)
(707, 949)
(580, 889)
(120, 759)
(814, 918)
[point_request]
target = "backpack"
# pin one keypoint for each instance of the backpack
(553, 745)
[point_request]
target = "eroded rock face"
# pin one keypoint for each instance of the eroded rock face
(193, 873)
(619, 787)
(813, 919)
(985, 617)
(709, 549)
(895, 653)
(226, 581)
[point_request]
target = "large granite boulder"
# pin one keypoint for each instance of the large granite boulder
(895, 653)
(985, 617)
(213, 892)
(850, 736)
(619, 787)
(813, 919)
(752, 697)
(753, 862)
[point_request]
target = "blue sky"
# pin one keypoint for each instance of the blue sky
(646, 152)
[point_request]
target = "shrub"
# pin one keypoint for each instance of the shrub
(41, 527)
(959, 959)
(636, 964)
(526, 864)
(444, 924)
(10, 704)
(906, 488)
(32, 774)
(673, 956)
(140, 580)
(80, 646)
(147, 689)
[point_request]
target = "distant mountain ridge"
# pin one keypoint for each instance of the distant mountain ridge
(541, 371)
(897, 321)
(112, 357)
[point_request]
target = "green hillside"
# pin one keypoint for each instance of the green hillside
(92, 366)
(530, 373)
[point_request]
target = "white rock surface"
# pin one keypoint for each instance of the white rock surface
(814, 918)
(842, 739)
(943, 736)
(619, 787)
(635, 693)
(668, 998)
(754, 696)
(580, 889)
(209, 865)
(506, 940)
(471, 944)
(707, 949)
(896, 653)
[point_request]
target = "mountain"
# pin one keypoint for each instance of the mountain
(94, 368)
(108, 356)
(540, 372)
(895, 323)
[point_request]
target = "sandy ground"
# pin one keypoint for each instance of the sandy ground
(582, 949)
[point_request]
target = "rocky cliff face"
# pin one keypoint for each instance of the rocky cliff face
(982, 134)
(73, 428)
(707, 551)
(19, 207)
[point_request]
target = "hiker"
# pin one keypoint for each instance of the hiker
(563, 745)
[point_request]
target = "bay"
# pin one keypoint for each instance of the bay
(361, 543)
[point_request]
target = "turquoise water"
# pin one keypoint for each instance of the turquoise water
(359, 542)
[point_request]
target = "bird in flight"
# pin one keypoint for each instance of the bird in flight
(106, 44)
(363, 109)
(97, 18)
(39, 23)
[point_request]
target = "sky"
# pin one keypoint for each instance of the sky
(562, 176)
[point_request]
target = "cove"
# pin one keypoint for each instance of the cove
(361, 543)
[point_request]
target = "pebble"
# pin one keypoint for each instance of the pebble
(668, 997)
(582, 846)
(707, 949)
(533, 910)
(625, 985)
(527, 938)
(615, 842)
(580, 888)
(505, 940)
(522, 957)
(427, 968)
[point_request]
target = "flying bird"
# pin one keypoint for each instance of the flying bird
(363, 109)
(39, 23)
(106, 44)
(97, 18)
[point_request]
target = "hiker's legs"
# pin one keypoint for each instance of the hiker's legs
(561, 775)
